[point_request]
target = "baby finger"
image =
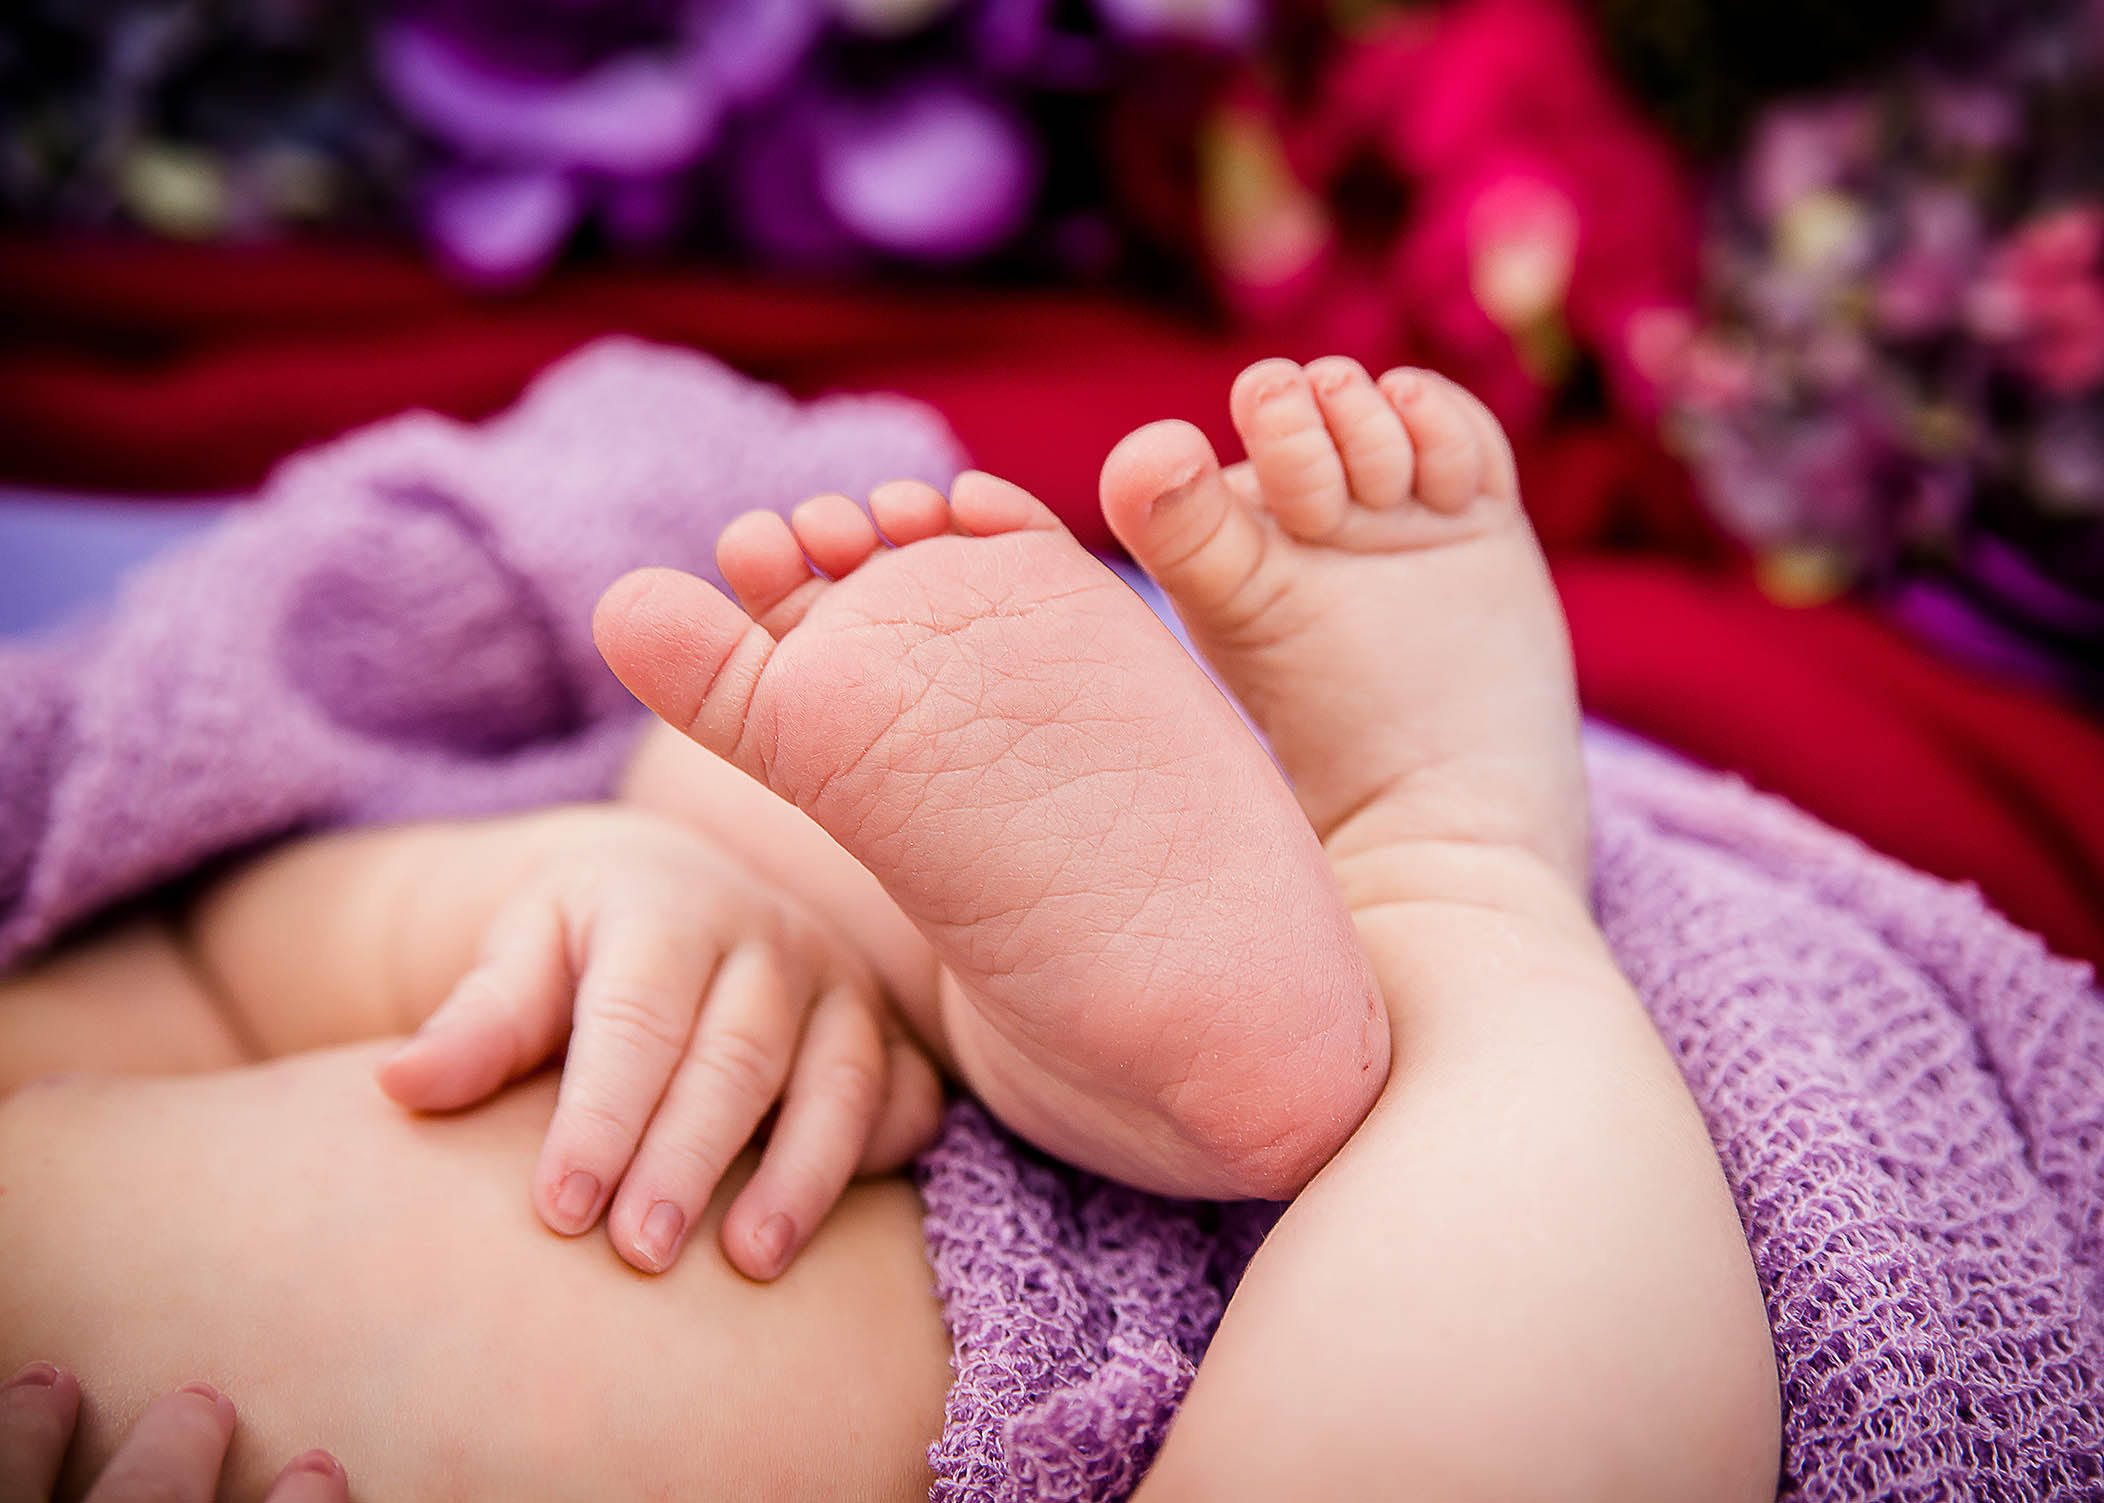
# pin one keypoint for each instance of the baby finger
(912, 1112)
(644, 976)
(733, 1071)
(500, 1020)
(835, 1095)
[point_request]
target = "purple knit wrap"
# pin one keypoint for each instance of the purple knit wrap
(400, 624)
(1906, 1093)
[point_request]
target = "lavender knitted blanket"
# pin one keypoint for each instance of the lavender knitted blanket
(1906, 1093)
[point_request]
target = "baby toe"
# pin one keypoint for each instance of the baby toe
(1299, 472)
(834, 533)
(1379, 463)
(764, 565)
(1449, 449)
(987, 506)
(1189, 523)
(909, 511)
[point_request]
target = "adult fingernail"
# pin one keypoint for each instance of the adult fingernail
(773, 1239)
(576, 1199)
(320, 1463)
(659, 1238)
(35, 1375)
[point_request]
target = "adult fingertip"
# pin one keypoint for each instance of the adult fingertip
(311, 1477)
(34, 1375)
(657, 1237)
(43, 1386)
(221, 1404)
(317, 1463)
(773, 1245)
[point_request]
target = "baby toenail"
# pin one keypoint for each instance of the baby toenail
(1175, 483)
(659, 1238)
(576, 1198)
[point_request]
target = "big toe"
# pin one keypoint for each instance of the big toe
(1168, 501)
(684, 650)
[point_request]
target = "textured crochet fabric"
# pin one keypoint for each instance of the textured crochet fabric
(399, 625)
(1908, 1098)
(1907, 1094)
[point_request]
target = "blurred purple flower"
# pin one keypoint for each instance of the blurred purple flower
(1219, 23)
(1806, 149)
(553, 112)
(498, 227)
(1904, 372)
(1919, 292)
(937, 173)
(928, 171)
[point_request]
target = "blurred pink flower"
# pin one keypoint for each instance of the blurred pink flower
(2042, 299)
(1533, 218)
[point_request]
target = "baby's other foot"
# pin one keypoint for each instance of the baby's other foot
(1148, 969)
(1367, 583)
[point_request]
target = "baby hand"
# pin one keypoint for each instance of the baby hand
(694, 996)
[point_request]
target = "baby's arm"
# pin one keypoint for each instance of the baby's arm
(1524, 1276)
(357, 934)
(700, 997)
(319, 941)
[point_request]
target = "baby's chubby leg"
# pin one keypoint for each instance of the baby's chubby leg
(1524, 1276)
(124, 1000)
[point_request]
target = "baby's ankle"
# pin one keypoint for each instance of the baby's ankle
(1508, 882)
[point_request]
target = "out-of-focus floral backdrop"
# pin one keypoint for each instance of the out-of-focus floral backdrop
(1848, 262)
(1794, 309)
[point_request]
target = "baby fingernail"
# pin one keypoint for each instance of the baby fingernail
(659, 1238)
(773, 1239)
(576, 1198)
(320, 1463)
(35, 1375)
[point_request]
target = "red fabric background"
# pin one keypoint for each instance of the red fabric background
(166, 369)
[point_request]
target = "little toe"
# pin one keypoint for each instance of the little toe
(1500, 470)
(1448, 443)
(1379, 463)
(986, 506)
(766, 569)
(1179, 514)
(1297, 465)
(909, 511)
(834, 533)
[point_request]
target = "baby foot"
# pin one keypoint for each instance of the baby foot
(1367, 583)
(1148, 968)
